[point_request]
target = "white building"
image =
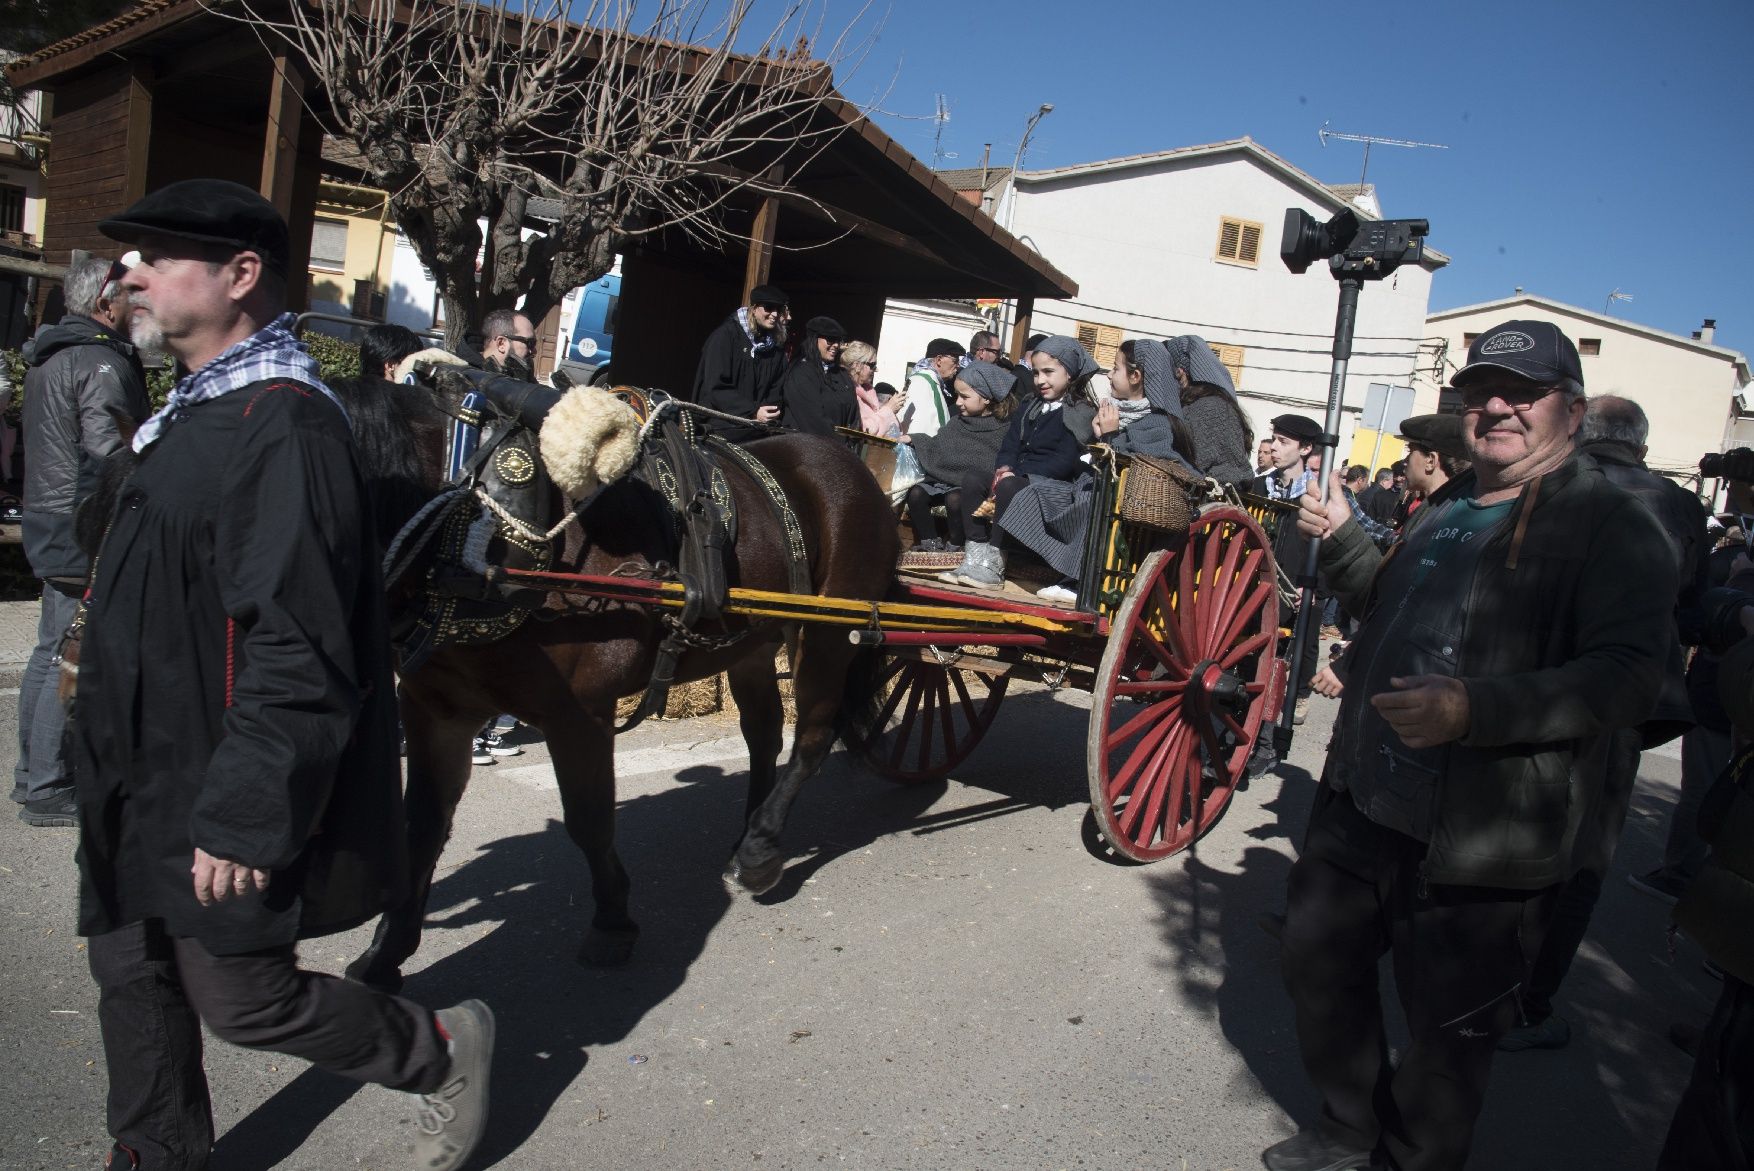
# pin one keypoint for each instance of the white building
(1186, 241)
(1692, 390)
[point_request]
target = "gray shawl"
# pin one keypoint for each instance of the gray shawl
(1193, 355)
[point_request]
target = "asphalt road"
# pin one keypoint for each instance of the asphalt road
(945, 978)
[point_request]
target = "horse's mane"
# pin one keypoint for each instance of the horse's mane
(392, 424)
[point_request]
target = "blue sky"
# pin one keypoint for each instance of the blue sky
(1592, 146)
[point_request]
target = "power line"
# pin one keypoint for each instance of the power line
(1044, 308)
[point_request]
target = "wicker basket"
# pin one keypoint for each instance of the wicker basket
(1160, 494)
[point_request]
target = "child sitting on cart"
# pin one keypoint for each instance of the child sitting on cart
(1143, 416)
(968, 445)
(1043, 453)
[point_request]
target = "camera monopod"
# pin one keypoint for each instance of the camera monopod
(1356, 251)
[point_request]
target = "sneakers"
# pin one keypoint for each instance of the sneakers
(1552, 1033)
(497, 746)
(1301, 712)
(480, 753)
(1659, 884)
(1311, 1150)
(60, 809)
(452, 1117)
(983, 566)
(1059, 592)
(930, 545)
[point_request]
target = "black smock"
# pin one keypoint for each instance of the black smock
(817, 399)
(235, 690)
(731, 379)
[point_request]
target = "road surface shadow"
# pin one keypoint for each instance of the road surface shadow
(523, 902)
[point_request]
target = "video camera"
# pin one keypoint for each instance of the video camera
(1368, 249)
(1734, 464)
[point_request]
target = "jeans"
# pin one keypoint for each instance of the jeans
(154, 992)
(41, 772)
(1460, 954)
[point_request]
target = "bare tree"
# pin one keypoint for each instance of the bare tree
(628, 122)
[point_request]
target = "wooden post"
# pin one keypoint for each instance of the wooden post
(1020, 329)
(280, 151)
(760, 263)
(140, 82)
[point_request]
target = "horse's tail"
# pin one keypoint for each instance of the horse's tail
(861, 700)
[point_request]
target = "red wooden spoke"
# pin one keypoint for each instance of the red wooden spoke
(1211, 589)
(946, 715)
(1252, 609)
(1161, 710)
(1195, 800)
(1244, 649)
(1166, 617)
(969, 711)
(941, 718)
(1148, 793)
(1237, 600)
(896, 695)
(1150, 686)
(904, 733)
(1128, 772)
(927, 724)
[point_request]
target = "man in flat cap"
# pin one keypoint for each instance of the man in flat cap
(1436, 454)
(235, 750)
(1291, 440)
(1522, 620)
(931, 399)
(817, 395)
(741, 365)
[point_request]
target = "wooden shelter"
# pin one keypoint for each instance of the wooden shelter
(171, 90)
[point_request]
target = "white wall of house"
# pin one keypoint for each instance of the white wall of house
(1688, 389)
(909, 327)
(1141, 240)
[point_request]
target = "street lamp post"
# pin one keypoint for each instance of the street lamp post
(1045, 109)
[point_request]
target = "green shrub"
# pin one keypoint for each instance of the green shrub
(335, 358)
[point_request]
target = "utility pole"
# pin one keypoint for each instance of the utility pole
(1370, 140)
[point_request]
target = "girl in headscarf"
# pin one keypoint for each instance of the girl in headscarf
(967, 446)
(1221, 431)
(1142, 418)
(1042, 454)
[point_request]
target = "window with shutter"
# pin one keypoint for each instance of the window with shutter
(1239, 241)
(1103, 342)
(329, 244)
(1589, 345)
(1230, 357)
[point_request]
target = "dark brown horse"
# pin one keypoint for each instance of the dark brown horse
(564, 668)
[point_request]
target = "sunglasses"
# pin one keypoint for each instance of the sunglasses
(119, 267)
(518, 337)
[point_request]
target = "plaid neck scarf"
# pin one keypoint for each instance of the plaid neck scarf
(759, 343)
(270, 352)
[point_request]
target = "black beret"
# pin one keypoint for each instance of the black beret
(939, 347)
(1439, 433)
(826, 327)
(768, 295)
(208, 211)
(1299, 427)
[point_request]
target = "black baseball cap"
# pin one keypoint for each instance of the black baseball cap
(1299, 427)
(1536, 350)
(208, 211)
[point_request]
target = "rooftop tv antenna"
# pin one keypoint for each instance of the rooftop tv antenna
(1616, 295)
(1370, 140)
(939, 154)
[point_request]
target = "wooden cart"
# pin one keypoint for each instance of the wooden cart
(1173, 635)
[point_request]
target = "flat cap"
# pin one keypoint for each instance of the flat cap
(827, 328)
(208, 211)
(939, 347)
(1299, 427)
(1439, 433)
(768, 295)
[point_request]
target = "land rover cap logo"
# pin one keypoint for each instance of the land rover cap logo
(1511, 341)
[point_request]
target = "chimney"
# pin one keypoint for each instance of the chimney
(1707, 331)
(1519, 291)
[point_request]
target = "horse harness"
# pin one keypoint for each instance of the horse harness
(497, 511)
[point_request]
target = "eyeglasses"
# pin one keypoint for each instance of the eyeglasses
(1517, 398)
(986, 349)
(518, 337)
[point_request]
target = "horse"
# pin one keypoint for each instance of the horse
(564, 668)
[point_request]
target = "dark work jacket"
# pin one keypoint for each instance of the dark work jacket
(817, 400)
(1559, 636)
(79, 376)
(1682, 518)
(729, 379)
(1045, 443)
(235, 690)
(1718, 905)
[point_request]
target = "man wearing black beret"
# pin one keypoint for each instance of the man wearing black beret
(1293, 437)
(236, 767)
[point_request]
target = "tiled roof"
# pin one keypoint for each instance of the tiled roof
(140, 11)
(969, 178)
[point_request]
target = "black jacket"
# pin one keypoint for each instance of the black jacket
(731, 379)
(235, 690)
(1048, 443)
(78, 373)
(817, 400)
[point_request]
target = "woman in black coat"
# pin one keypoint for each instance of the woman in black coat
(817, 395)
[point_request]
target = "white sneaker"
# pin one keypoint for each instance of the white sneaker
(1057, 593)
(497, 746)
(479, 754)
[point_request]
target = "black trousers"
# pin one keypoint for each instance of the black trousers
(1460, 956)
(1713, 1128)
(154, 992)
(974, 492)
(919, 514)
(1614, 758)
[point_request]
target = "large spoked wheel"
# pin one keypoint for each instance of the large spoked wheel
(1184, 688)
(929, 713)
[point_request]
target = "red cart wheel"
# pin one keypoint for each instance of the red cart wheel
(928, 715)
(1184, 687)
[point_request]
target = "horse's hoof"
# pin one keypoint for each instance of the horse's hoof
(757, 880)
(604, 948)
(361, 971)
